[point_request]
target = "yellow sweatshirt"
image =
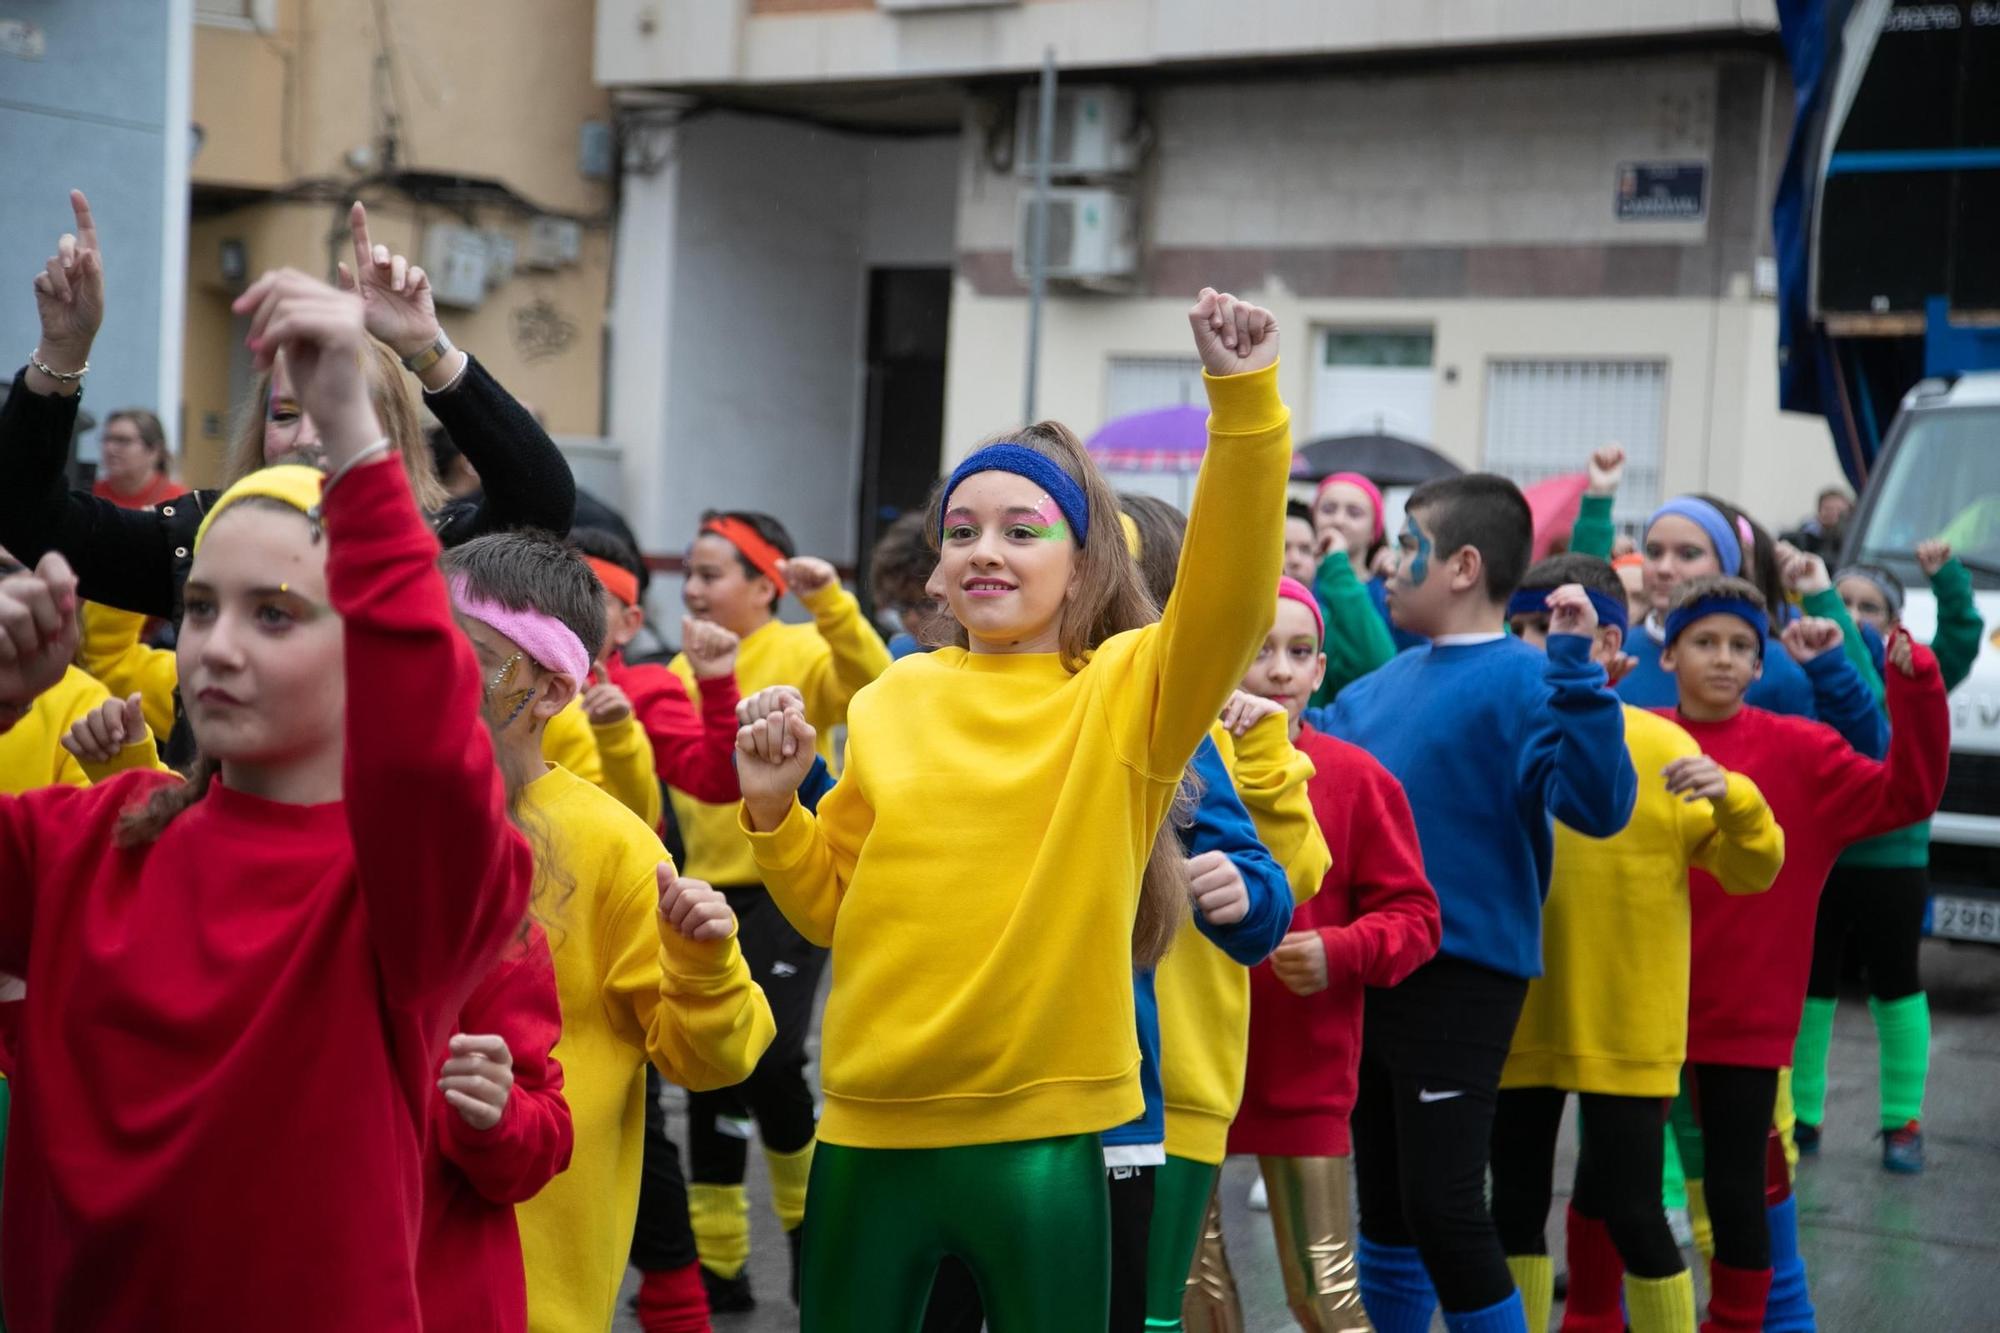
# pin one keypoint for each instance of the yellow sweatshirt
(827, 661)
(631, 988)
(1203, 994)
(109, 649)
(977, 867)
(31, 752)
(625, 754)
(1609, 1013)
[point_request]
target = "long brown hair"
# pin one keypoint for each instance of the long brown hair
(395, 409)
(1108, 598)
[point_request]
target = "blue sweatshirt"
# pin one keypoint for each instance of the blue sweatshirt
(1785, 687)
(1221, 824)
(1490, 741)
(1842, 700)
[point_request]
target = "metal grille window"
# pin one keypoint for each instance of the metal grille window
(1543, 418)
(1142, 383)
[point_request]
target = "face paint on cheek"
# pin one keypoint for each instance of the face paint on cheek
(1418, 562)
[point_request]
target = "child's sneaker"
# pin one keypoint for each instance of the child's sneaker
(1260, 1198)
(728, 1295)
(1807, 1137)
(1903, 1150)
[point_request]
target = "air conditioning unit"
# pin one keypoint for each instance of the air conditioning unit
(455, 260)
(552, 242)
(1094, 132)
(1091, 234)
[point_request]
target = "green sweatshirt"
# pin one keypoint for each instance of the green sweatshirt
(1356, 639)
(1956, 644)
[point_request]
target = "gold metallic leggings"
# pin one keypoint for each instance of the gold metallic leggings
(1312, 1219)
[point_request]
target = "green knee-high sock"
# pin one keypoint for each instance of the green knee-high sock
(1903, 1027)
(1673, 1182)
(1809, 1061)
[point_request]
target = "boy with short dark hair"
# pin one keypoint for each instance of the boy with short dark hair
(1751, 956)
(1490, 738)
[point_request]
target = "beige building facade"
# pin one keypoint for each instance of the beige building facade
(1510, 230)
(477, 137)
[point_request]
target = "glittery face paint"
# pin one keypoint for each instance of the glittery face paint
(1416, 545)
(520, 698)
(1047, 522)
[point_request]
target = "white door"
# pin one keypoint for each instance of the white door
(1367, 383)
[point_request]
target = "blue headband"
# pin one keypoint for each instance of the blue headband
(1535, 602)
(1681, 617)
(1036, 467)
(1728, 546)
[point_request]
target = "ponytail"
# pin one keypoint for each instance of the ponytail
(142, 824)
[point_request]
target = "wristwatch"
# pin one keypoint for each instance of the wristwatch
(430, 355)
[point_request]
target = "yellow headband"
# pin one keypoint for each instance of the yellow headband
(291, 484)
(1132, 542)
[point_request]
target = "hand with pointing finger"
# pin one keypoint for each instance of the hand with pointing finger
(69, 297)
(395, 294)
(105, 730)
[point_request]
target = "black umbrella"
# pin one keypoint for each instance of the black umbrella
(1386, 460)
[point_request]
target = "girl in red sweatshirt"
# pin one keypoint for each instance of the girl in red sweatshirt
(1750, 956)
(1373, 922)
(239, 987)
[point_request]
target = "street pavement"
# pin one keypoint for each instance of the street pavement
(1910, 1254)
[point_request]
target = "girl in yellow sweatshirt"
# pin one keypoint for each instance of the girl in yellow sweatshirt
(979, 868)
(646, 962)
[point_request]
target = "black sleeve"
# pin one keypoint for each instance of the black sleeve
(122, 557)
(525, 478)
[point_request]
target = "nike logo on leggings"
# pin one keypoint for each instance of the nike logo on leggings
(1426, 1096)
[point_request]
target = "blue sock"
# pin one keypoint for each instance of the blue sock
(1395, 1290)
(1790, 1308)
(1506, 1317)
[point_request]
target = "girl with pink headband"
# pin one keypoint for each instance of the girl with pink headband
(647, 966)
(1353, 601)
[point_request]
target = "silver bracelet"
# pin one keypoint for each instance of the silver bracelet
(376, 450)
(433, 352)
(59, 376)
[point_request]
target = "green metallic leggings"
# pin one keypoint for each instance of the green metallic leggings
(1032, 1220)
(1181, 1192)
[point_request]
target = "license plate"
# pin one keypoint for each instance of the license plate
(1965, 918)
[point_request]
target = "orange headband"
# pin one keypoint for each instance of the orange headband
(1628, 560)
(619, 581)
(765, 558)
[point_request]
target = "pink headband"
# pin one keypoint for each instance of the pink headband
(1367, 487)
(547, 640)
(1289, 587)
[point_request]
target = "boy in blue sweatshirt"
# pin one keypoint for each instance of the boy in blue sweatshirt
(1491, 740)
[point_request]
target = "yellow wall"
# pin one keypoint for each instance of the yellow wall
(491, 89)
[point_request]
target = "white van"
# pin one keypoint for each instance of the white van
(1938, 475)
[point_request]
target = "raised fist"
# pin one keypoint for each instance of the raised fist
(1810, 637)
(1606, 469)
(1233, 336)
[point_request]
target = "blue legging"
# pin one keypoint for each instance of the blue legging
(1032, 1220)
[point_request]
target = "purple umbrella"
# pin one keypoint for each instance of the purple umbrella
(1165, 439)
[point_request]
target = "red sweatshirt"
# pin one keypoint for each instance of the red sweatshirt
(469, 1272)
(232, 1035)
(1751, 955)
(1378, 918)
(692, 752)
